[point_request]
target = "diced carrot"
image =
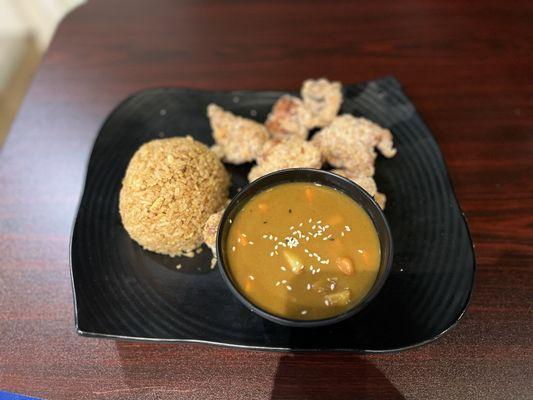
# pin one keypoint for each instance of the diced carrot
(248, 286)
(241, 239)
(365, 257)
(309, 194)
(263, 207)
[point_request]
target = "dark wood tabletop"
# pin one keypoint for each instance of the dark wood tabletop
(467, 65)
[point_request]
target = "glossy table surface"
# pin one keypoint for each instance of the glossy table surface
(466, 65)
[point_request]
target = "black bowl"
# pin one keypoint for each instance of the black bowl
(327, 179)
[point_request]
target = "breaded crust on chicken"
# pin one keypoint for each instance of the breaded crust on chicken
(210, 230)
(239, 139)
(372, 134)
(348, 143)
(366, 182)
(291, 152)
(343, 148)
(322, 99)
(288, 117)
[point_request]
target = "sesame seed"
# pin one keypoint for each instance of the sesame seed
(360, 251)
(270, 237)
(292, 242)
(239, 239)
(347, 228)
(308, 286)
(276, 239)
(283, 268)
(313, 227)
(276, 252)
(265, 236)
(291, 228)
(178, 266)
(283, 281)
(342, 234)
(307, 239)
(332, 286)
(243, 234)
(230, 221)
(271, 254)
(326, 302)
(310, 220)
(319, 222)
(233, 248)
(250, 242)
(289, 287)
(276, 247)
(326, 226)
(318, 270)
(301, 224)
(278, 283)
(304, 312)
(306, 251)
(251, 277)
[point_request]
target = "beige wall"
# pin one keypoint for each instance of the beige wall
(26, 28)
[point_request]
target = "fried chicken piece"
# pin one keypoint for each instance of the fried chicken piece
(366, 182)
(240, 139)
(323, 99)
(381, 199)
(210, 230)
(218, 150)
(289, 117)
(343, 148)
(372, 134)
(291, 152)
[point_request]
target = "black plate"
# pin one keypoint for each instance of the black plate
(122, 291)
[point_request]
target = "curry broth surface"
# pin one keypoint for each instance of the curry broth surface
(284, 245)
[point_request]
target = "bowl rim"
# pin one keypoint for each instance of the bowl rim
(376, 288)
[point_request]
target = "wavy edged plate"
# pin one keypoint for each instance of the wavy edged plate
(122, 291)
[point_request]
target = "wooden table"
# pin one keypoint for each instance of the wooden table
(468, 66)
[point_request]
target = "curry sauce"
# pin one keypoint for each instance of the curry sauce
(303, 251)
